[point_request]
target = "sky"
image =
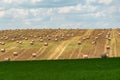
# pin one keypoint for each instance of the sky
(19, 14)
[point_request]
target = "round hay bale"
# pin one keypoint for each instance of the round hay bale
(63, 35)
(3, 43)
(99, 34)
(15, 53)
(17, 41)
(85, 56)
(56, 36)
(88, 37)
(119, 34)
(35, 36)
(6, 38)
(46, 44)
(104, 55)
(12, 39)
(34, 54)
(79, 42)
(6, 59)
(49, 38)
(108, 47)
(41, 40)
(26, 38)
(40, 37)
(2, 50)
(94, 42)
(96, 38)
(56, 39)
(31, 43)
(84, 38)
(20, 42)
(1, 38)
(109, 39)
(108, 33)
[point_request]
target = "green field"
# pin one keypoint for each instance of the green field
(80, 69)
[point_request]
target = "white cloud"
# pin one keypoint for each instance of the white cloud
(57, 18)
(90, 8)
(40, 12)
(113, 9)
(7, 1)
(65, 9)
(96, 14)
(78, 7)
(34, 12)
(14, 1)
(2, 13)
(15, 13)
(30, 12)
(90, 1)
(68, 9)
(105, 1)
(103, 23)
(36, 1)
(99, 14)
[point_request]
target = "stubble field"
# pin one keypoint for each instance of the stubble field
(49, 44)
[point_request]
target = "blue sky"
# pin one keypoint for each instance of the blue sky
(59, 13)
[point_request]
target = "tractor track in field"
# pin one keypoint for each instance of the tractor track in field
(20, 53)
(41, 52)
(72, 53)
(111, 54)
(106, 44)
(96, 47)
(25, 54)
(59, 50)
(113, 50)
(118, 42)
(62, 51)
(37, 54)
(88, 32)
(80, 52)
(63, 54)
(7, 54)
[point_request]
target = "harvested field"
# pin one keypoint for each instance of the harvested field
(49, 44)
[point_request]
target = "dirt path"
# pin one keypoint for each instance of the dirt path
(80, 51)
(80, 54)
(113, 50)
(41, 52)
(26, 54)
(38, 53)
(99, 47)
(89, 32)
(20, 54)
(106, 44)
(59, 50)
(8, 53)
